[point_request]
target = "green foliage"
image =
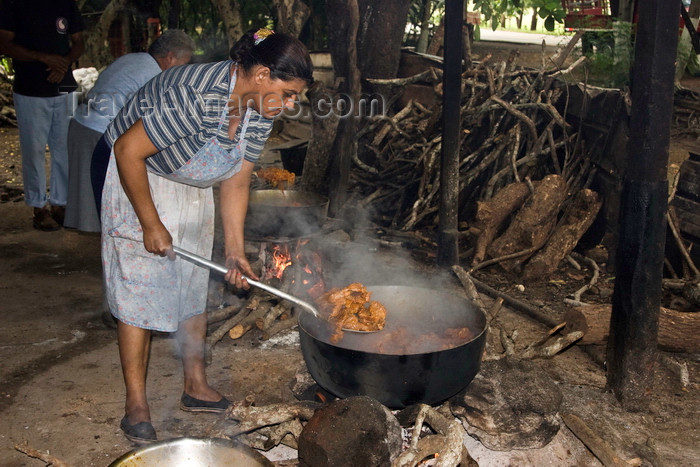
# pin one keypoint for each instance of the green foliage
(608, 57)
(551, 11)
(6, 64)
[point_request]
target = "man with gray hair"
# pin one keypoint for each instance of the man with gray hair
(113, 88)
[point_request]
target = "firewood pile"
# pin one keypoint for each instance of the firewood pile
(523, 168)
(513, 130)
(261, 311)
(686, 113)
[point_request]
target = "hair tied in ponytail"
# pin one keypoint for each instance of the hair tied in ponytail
(261, 34)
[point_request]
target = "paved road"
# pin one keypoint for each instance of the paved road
(487, 34)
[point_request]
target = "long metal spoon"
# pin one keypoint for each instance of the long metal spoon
(223, 270)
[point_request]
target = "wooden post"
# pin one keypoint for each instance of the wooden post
(448, 253)
(344, 51)
(632, 346)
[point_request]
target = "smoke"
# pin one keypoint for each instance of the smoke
(364, 257)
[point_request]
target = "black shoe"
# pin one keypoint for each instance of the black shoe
(190, 404)
(58, 213)
(140, 433)
(44, 221)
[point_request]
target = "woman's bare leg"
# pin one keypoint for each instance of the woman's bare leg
(134, 347)
(191, 337)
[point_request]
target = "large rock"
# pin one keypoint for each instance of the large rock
(510, 404)
(348, 433)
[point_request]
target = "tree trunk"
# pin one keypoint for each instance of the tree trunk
(343, 32)
(533, 21)
(291, 16)
(436, 42)
(96, 48)
(626, 10)
(324, 124)
(694, 10)
(380, 36)
(230, 12)
(370, 51)
(174, 14)
(422, 45)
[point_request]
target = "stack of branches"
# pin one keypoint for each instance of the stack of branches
(686, 113)
(260, 311)
(513, 129)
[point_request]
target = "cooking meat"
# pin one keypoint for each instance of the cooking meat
(351, 308)
(278, 178)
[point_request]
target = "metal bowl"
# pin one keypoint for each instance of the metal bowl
(288, 213)
(193, 452)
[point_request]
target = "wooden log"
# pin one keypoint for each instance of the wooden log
(279, 326)
(251, 417)
(578, 217)
(269, 318)
(678, 331)
(601, 449)
(248, 322)
(491, 214)
(220, 314)
(448, 444)
(42, 456)
(533, 223)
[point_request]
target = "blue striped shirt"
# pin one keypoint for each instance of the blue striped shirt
(180, 110)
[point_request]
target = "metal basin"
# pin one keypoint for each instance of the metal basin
(277, 213)
(429, 369)
(193, 452)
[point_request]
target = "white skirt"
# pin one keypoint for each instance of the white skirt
(146, 290)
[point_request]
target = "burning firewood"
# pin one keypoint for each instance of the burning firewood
(247, 323)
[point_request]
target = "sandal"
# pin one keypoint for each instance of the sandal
(191, 404)
(140, 433)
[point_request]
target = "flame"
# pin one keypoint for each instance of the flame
(281, 260)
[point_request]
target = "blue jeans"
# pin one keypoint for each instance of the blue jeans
(42, 121)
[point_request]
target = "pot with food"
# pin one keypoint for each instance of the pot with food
(428, 350)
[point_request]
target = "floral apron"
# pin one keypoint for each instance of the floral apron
(146, 290)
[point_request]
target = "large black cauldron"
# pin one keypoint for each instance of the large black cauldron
(424, 372)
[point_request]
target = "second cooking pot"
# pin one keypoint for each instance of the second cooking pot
(278, 213)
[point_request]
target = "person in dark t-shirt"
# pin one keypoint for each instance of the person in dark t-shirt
(43, 38)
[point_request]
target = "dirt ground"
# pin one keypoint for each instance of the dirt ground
(61, 387)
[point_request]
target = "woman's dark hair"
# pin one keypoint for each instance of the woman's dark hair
(285, 56)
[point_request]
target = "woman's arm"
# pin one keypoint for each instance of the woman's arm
(131, 150)
(234, 194)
